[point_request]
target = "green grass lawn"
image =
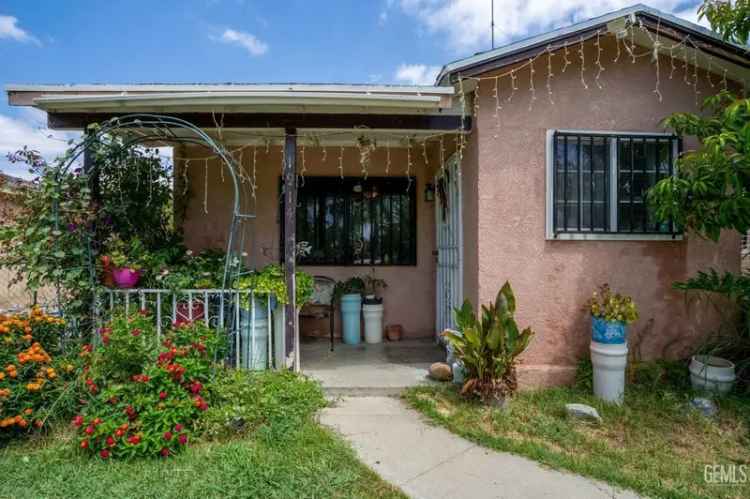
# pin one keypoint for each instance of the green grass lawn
(651, 444)
(310, 463)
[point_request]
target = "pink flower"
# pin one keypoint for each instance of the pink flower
(178, 427)
(182, 439)
(196, 387)
(78, 421)
(110, 442)
(136, 332)
(167, 435)
(162, 395)
(135, 439)
(165, 452)
(89, 430)
(104, 453)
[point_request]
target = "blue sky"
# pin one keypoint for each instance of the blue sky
(348, 41)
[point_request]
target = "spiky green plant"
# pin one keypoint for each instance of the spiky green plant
(489, 348)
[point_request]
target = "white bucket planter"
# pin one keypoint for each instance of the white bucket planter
(712, 374)
(373, 315)
(609, 361)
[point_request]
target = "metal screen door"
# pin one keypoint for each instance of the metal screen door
(448, 224)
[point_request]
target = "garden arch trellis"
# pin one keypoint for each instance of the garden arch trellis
(142, 128)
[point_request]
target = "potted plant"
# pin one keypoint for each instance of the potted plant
(712, 374)
(125, 261)
(610, 315)
(267, 283)
(349, 294)
(372, 308)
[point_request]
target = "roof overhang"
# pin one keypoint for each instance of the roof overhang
(735, 57)
(246, 106)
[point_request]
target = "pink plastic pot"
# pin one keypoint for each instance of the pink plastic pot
(125, 278)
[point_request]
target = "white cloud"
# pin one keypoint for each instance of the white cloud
(9, 29)
(466, 23)
(248, 41)
(417, 74)
(30, 130)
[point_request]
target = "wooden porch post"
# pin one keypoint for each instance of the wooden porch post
(290, 242)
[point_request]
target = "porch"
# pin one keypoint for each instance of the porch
(350, 172)
(369, 369)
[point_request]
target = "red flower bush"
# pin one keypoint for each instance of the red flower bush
(147, 398)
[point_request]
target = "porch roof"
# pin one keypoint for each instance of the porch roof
(251, 105)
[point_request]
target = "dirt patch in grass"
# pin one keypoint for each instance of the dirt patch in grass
(653, 444)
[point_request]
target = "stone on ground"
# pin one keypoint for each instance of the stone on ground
(440, 371)
(583, 411)
(705, 406)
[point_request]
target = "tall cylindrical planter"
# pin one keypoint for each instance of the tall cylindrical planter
(609, 357)
(351, 307)
(609, 361)
(373, 314)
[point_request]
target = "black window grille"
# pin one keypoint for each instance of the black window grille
(356, 221)
(600, 182)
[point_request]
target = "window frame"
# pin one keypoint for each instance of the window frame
(612, 190)
(413, 225)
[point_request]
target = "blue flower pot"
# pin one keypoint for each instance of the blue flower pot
(608, 332)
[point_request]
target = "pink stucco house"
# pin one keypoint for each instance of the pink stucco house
(525, 163)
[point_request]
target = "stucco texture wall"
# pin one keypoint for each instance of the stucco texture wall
(553, 279)
(410, 296)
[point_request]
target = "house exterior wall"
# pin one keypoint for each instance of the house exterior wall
(553, 279)
(410, 296)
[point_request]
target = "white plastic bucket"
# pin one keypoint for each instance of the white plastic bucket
(254, 341)
(609, 362)
(373, 322)
(712, 374)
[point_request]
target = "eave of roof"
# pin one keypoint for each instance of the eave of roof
(549, 37)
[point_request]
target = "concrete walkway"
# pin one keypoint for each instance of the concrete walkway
(430, 462)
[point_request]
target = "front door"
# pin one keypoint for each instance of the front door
(448, 223)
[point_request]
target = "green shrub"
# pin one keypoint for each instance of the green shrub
(271, 403)
(489, 346)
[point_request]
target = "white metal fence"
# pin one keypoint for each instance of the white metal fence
(253, 324)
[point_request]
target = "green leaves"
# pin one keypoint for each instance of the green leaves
(489, 348)
(711, 191)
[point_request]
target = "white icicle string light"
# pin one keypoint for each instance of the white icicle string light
(424, 153)
(185, 167)
(598, 62)
(387, 157)
(304, 163)
(617, 45)
(695, 78)
(205, 188)
(442, 155)
(566, 61)
(324, 155)
(498, 107)
(582, 57)
(513, 85)
(532, 88)
(476, 102)
(550, 54)
(254, 184)
(685, 65)
(408, 163)
(341, 162)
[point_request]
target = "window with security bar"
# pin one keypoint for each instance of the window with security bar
(599, 183)
(356, 221)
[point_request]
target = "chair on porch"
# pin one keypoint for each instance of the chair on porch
(321, 306)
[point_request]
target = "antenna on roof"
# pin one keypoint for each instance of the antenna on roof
(492, 22)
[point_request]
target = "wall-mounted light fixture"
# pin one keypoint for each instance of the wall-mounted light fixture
(429, 192)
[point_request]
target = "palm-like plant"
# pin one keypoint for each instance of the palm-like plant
(489, 348)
